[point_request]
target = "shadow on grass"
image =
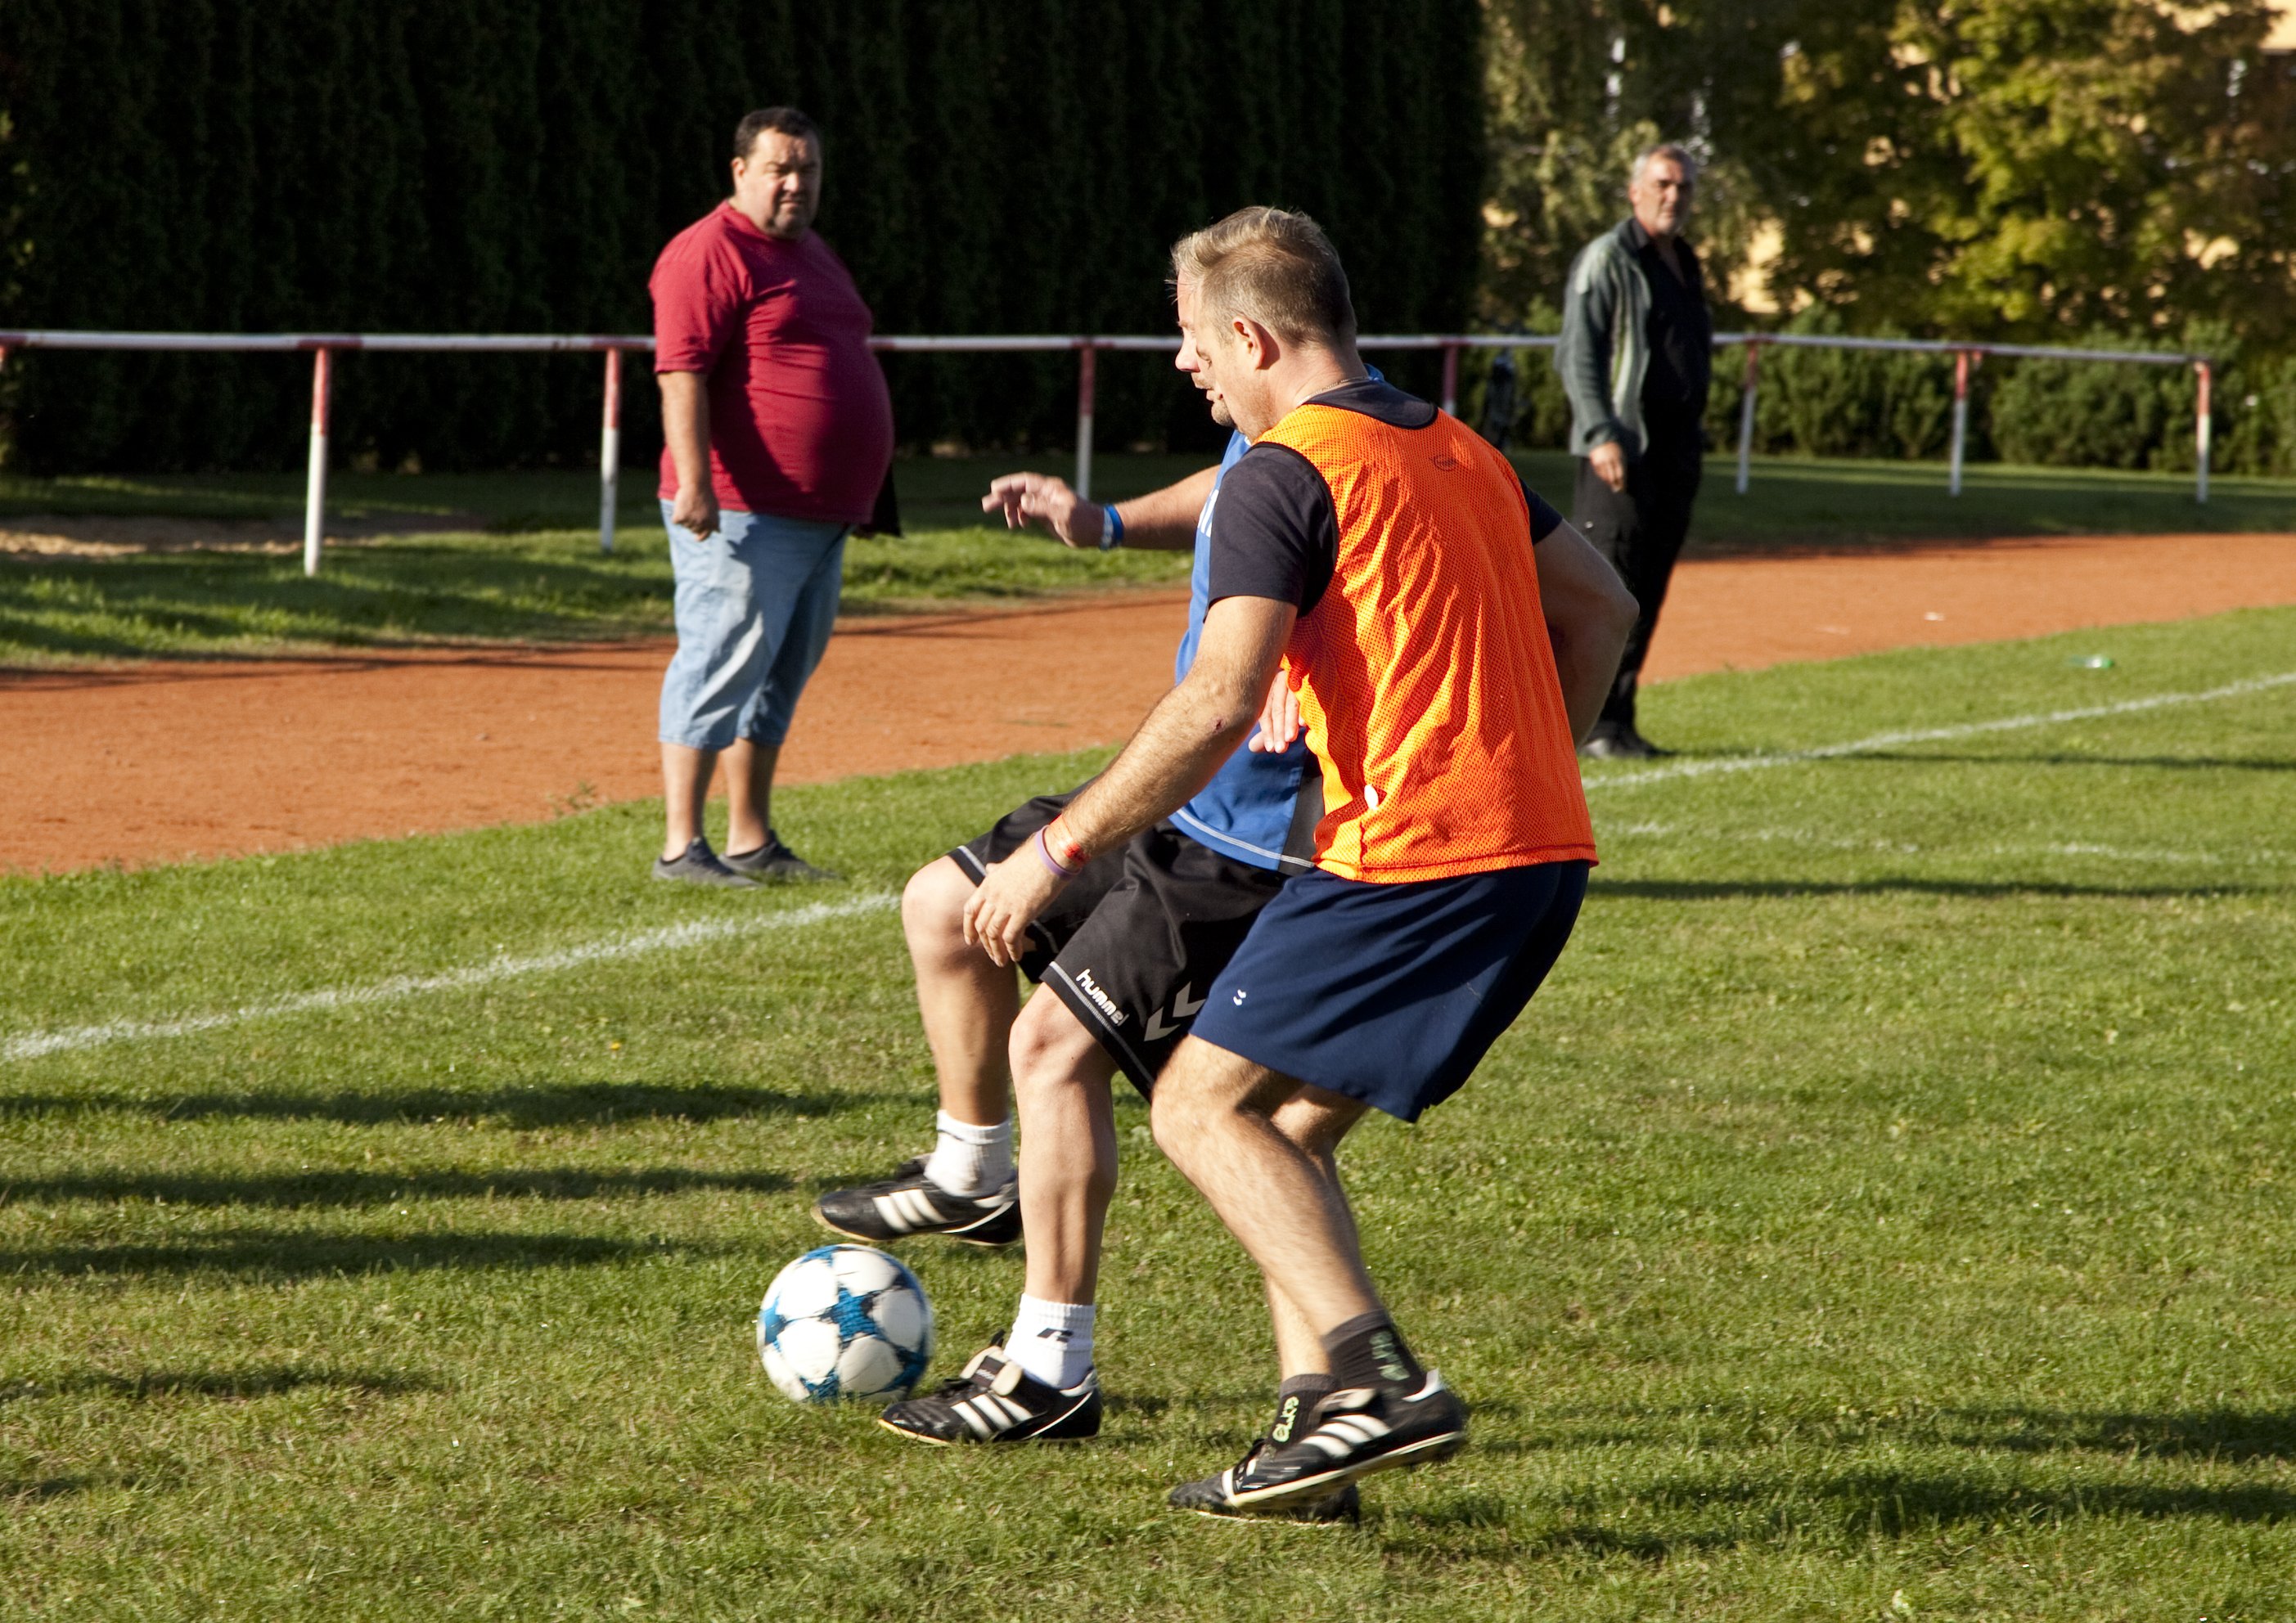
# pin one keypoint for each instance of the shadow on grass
(184, 603)
(347, 1188)
(2209, 1434)
(1843, 1507)
(1890, 1504)
(2228, 1435)
(262, 1254)
(240, 1383)
(23, 1488)
(575, 1104)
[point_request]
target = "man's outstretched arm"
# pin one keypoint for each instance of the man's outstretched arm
(1178, 749)
(1162, 520)
(1589, 613)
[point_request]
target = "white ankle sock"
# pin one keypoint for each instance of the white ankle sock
(968, 1160)
(1051, 1340)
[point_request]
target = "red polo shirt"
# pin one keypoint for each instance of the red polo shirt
(801, 423)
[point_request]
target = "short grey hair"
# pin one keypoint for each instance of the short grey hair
(1674, 150)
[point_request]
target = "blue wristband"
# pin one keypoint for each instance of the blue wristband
(1112, 527)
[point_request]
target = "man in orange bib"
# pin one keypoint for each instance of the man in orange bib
(1447, 639)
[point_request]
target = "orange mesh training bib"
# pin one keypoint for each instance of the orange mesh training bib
(1426, 683)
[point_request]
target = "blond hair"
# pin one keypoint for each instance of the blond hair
(1271, 266)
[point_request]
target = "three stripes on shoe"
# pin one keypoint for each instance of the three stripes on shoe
(907, 1210)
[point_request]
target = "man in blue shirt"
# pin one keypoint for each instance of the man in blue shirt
(1126, 953)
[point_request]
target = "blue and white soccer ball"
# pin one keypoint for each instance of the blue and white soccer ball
(845, 1321)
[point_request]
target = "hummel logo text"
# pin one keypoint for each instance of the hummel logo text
(1107, 1005)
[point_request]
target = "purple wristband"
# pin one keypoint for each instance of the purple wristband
(1044, 856)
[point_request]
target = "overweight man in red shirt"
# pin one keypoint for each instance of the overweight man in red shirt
(777, 432)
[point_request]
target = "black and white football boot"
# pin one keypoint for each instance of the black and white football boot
(910, 1203)
(997, 1401)
(1352, 1433)
(1215, 1495)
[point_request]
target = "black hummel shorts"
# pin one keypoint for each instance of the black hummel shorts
(1132, 944)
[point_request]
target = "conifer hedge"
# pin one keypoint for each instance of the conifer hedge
(993, 166)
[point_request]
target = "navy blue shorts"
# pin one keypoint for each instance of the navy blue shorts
(1391, 993)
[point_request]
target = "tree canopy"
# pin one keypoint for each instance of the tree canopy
(2004, 168)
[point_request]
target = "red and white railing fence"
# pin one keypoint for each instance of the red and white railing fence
(1966, 357)
(323, 345)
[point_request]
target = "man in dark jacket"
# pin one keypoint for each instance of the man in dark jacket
(1636, 357)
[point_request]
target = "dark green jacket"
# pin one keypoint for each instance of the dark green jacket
(1605, 347)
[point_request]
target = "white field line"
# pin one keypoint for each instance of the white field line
(1931, 735)
(672, 938)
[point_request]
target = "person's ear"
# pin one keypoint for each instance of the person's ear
(1258, 341)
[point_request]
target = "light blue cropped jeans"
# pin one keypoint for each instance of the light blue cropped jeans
(754, 608)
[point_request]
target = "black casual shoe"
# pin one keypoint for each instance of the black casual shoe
(995, 1401)
(910, 1203)
(1619, 744)
(774, 860)
(700, 866)
(1216, 1497)
(1353, 1432)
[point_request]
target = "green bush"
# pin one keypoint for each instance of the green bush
(994, 165)
(2077, 414)
(1850, 402)
(2262, 430)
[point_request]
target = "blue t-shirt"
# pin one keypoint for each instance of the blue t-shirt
(1248, 810)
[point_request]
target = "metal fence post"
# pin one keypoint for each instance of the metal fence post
(1451, 379)
(315, 497)
(610, 450)
(1960, 417)
(1086, 386)
(1746, 414)
(2201, 427)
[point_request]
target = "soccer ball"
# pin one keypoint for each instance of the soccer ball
(845, 1321)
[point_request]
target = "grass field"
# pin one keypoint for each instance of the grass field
(1884, 1212)
(532, 571)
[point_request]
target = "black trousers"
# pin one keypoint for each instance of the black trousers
(1640, 530)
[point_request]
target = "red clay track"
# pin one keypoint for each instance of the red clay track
(166, 762)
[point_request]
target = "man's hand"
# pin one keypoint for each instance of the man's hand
(1279, 718)
(1010, 896)
(1048, 503)
(695, 508)
(685, 429)
(1610, 463)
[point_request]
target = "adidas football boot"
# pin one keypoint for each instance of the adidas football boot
(1215, 1495)
(910, 1203)
(1352, 1433)
(997, 1401)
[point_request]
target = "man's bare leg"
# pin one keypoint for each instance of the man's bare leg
(1213, 1115)
(750, 792)
(684, 791)
(1043, 1387)
(1060, 1077)
(966, 1003)
(1315, 1121)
